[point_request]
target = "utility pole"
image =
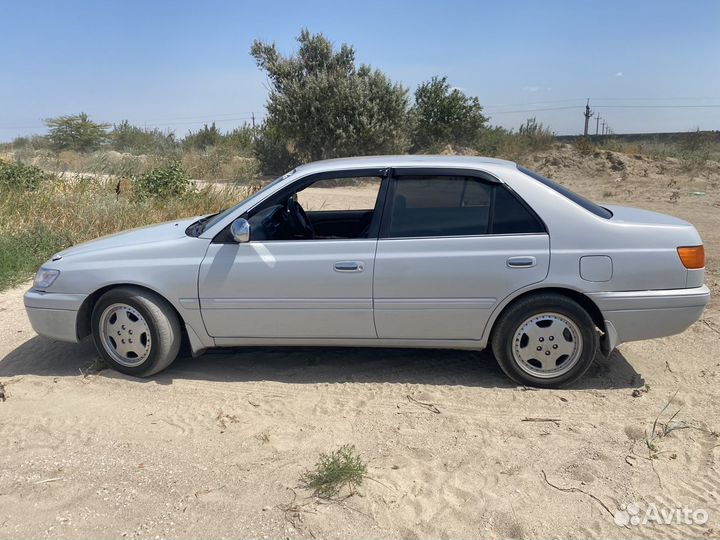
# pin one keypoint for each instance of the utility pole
(252, 115)
(588, 113)
(603, 130)
(597, 125)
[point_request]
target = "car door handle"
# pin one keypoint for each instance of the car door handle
(349, 266)
(521, 262)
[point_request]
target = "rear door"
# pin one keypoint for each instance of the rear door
(451, 247)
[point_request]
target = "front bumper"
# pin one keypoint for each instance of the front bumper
(637, 315)
(54, 315)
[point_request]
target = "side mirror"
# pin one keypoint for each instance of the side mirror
(240, 230)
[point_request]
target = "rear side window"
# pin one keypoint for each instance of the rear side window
(510, 216)
(455, 206)
(439, 206)
(574, 197)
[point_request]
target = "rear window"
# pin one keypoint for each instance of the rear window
(574, 197)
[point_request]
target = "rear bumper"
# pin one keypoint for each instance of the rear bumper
(54, 315)
(637, 315)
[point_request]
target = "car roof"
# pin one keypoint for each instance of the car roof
(431, 161)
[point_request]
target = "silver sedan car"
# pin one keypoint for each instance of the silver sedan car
(389, 251)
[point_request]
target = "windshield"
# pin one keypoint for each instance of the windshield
(574, 197)
(205, 223)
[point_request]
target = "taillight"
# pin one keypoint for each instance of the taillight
(692, 257)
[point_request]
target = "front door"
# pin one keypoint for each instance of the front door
(450, 249)
(306, 272)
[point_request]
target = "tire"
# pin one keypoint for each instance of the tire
(135, 331)
(545, 340)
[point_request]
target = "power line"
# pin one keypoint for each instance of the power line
(200, 120)
(659, 106)
(200, 116)
(657, 99)
(534, 110)
(249, 116)
(596, 99)
(540, 109)
(216, 120)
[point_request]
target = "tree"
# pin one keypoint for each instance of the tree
(76, 132)
(444, 115)
(322, 105)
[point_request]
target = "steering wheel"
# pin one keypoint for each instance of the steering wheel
(299, 221)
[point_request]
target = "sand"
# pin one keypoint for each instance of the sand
(215, 446)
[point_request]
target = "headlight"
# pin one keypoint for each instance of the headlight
(45, 277)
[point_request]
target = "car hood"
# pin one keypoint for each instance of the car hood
(627, 214)
(142, 235)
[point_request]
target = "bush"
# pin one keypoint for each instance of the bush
(16, 175)
(340, 468)
(494, 141)
(443, 115)
(273, 153)
(240, 140)
(20, 142)
(169, 180)
(22, 253)
(585, 146)
(219, 163)
(125, 137)
(76, 132)
(29, 143)
(203, 138)
(535, 136)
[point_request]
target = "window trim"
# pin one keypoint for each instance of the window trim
(496, 184)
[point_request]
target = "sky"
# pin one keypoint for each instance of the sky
(647, 66)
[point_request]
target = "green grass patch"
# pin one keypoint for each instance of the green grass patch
(22, 253)
(334, 471)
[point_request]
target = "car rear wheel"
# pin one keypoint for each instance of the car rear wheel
(135, 331)
(545, 340)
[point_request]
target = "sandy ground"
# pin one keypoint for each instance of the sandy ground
(214, 446)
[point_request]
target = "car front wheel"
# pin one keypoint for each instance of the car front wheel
(135, 331)
(545, 340)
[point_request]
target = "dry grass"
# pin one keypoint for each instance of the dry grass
(213, 164)
(67, 211)
(85, 208)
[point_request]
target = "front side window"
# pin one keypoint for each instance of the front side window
(340, 194)
(327, 209)
(423, 206)
(203, 224)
